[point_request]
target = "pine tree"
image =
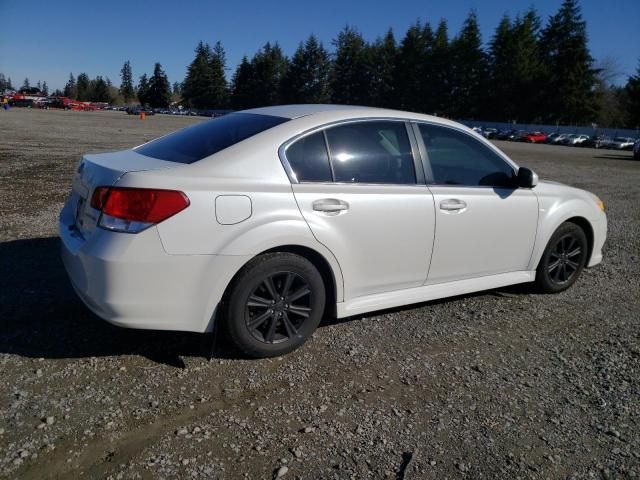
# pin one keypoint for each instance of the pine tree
(500, 61)
(4, 83)
(143, 89)
(70, 89)
(176, 88)
(632, 101)
(382, 58)
(158, 90)
(25, 84)
(242, 94)
(126, 83)
(469, 73)
(269, 67)
(45, 89)
(83, 87)
(437, 73)
(350, 81)
(205, 85)
(307, 77)
(198, 79)
(100, 91)
(409, 82)
(570, 76)
(219, 93)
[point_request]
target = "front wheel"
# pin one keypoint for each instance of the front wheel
(275, 304)
(563, 259)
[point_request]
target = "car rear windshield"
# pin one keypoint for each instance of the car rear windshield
(199, 141)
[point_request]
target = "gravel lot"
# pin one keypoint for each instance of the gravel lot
(504, 384)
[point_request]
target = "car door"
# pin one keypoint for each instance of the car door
(362, 192)
(484, 224)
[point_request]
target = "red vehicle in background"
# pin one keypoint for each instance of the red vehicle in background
(534, 137)
(69, 104)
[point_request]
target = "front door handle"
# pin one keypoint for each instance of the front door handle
(331, 206)
(452, 205)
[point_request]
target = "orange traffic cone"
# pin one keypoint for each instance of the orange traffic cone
(142, 116)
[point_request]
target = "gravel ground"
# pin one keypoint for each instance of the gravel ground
(503, 384)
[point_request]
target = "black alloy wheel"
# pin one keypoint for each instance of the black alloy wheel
(278, 307)
(563, 259)
(274, 304)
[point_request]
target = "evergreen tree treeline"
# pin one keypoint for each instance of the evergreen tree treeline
(527, 73)
(530, 71)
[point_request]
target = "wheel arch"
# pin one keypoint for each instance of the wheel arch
(323, 266)
(587, 228)
(330, 272)
(576, 219)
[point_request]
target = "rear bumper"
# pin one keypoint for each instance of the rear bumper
(130, 281)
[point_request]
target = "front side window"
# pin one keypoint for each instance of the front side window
(459, 159)
(371, 152)
(206, 138)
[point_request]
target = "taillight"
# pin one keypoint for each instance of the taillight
(134, 209)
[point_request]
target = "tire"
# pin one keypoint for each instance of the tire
(261, 317)
(563, 259)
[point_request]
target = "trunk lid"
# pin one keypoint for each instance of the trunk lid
(104, 169)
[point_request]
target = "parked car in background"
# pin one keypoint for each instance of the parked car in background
(574, 139)
(516, 135)
(622, 143)
(504, 134)
(593, 142)
(534, 137)
(267, 220)
(558, 140)
(551, 137)
(137, 110)
(604, 142)
(489, 132)
(636, 150)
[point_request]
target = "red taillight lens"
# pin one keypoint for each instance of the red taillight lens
(145, 205)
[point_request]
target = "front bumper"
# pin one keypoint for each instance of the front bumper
(130, 281)
(599, 237)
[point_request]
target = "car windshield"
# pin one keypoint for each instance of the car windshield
(211, 136)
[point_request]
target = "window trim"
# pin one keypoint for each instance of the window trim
(415, 154)
(427, 163)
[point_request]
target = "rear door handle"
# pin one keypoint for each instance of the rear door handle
(452, 205)
(330, 206)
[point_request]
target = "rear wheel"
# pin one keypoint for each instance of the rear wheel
(563, 259)
(275, 304)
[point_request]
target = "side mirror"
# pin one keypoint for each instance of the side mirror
(526, 178)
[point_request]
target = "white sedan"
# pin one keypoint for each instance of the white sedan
(267, 219)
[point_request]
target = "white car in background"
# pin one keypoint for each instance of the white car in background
(623, 143)
(268, 219)
(575, 139)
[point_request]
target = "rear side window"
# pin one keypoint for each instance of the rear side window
(211, 136)
(371, 152)
(459, 159)
(309, 160)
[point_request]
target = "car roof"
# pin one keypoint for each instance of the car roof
(298, 111)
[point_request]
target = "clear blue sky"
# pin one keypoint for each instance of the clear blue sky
(47, 40)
